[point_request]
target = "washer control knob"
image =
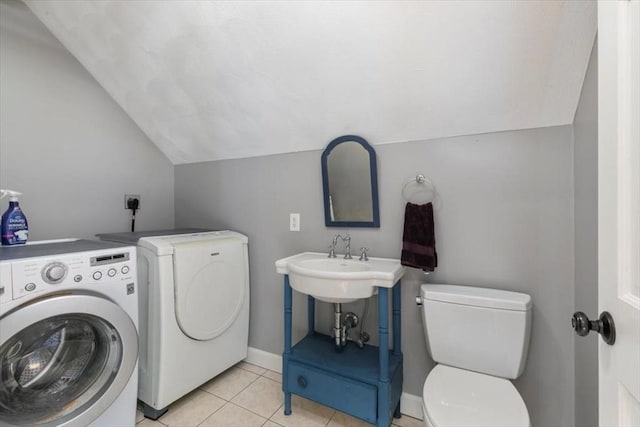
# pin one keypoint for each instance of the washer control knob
(112, 272)
(124, 269)
(54, 272)
(97, 275)
(30, 287)
(77, 278)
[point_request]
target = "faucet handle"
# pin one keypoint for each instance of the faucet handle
(347, 240)
(332, 251)
(363, 254)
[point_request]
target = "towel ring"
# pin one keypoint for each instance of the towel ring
(419, 190)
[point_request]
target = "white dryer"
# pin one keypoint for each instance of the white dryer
(68, 334)
(194, 309)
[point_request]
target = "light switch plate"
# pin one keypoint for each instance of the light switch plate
(294, 222)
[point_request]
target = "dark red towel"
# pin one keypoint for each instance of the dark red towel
(419, 239)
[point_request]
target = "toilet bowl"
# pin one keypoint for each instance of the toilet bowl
(479, 339)
(456, 397)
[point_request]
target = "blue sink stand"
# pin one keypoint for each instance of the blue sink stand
(365, 383)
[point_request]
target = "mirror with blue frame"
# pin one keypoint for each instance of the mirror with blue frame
(350, 183)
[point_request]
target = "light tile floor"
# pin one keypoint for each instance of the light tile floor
(249, 396)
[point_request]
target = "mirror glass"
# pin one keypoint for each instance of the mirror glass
(350, 183)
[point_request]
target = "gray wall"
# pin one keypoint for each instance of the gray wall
(585, 173)
(504, 220)
(66, 144)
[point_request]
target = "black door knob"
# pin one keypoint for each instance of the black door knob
(604, 326)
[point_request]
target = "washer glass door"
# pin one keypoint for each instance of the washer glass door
(53, 370)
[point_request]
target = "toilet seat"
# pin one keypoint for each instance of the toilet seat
(457, 397)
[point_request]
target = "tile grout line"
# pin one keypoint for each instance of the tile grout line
(273, 422)
(331, 417)
(232, 397)
(211, 414)
(281, 406)
(228, 401)
(275, 412)
(243, 389)
(248, 409)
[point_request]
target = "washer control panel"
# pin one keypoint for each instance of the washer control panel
(96, 268)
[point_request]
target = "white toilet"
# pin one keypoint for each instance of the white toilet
(479, 339)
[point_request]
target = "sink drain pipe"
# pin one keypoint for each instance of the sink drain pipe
(342, 324)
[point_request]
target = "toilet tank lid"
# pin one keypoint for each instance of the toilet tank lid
(479, 297)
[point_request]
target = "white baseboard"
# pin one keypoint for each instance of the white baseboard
(264, 359)
(410, 404)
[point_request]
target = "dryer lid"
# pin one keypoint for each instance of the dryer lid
(210, 285)
(165, 245)
(132, 237)
(457, 397)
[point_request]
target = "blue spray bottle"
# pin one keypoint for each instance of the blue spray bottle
(15, 229)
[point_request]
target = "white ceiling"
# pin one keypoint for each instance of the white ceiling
(209, 80)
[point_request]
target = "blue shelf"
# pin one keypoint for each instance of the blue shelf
(358, 364)
(365, 383)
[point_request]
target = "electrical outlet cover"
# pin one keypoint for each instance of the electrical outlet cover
(294, 222)
(131, 196)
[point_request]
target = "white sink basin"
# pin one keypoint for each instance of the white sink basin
(337, 279)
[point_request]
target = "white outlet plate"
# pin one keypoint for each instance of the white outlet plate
(294, 222)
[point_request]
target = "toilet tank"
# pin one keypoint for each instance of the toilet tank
(479, 329)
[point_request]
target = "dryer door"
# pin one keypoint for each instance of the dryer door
(64, 360)
(210, 285)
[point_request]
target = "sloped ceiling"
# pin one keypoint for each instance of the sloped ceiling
(209, 80)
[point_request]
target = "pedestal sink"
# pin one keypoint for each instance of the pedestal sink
(365, 382)
(339, 280)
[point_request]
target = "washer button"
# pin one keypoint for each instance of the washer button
(97, 275)
(125, 269)
(112, 272)
(30, 287)
(77, 278)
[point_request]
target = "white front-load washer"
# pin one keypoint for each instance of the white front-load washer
(68, 334)
(194, 309)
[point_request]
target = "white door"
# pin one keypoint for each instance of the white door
(619, 208)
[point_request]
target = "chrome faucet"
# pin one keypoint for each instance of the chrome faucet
(347, 239)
